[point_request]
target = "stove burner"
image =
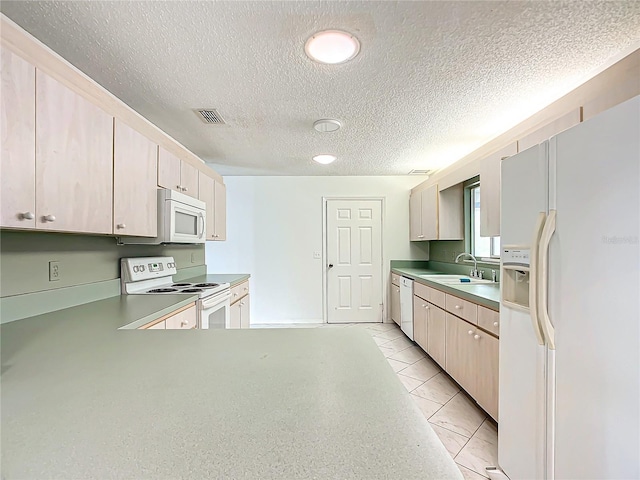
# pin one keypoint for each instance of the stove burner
(207, 285)
(163, 290)
(181, 285)
(192, 290)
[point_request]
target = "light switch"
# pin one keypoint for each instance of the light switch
(317, 255)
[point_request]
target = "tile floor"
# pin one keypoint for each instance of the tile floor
(466, 431)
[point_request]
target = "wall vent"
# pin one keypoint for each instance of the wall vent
(209, 116)
(419, 172)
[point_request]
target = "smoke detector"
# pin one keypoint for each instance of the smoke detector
(327, 125)
(209, 116)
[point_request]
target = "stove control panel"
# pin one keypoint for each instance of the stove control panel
(145, 268)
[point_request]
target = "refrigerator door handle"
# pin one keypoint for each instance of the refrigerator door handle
(533, 279)
(543, 260)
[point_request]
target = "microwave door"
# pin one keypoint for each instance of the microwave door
(186, 225)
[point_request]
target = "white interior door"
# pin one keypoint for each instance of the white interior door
(354, 260)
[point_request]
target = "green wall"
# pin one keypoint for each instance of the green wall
(25, 257)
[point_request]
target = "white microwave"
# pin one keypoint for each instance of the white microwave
(181, 219)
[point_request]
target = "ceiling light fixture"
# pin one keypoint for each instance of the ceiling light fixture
(332, 47)
(324, 159)
(327, 125)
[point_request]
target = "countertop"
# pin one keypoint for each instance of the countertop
(485, 294)
(83, 399)
(231, 278)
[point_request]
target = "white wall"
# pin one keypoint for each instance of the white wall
(274, 224)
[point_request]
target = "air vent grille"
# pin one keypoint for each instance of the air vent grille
(419, 172)
(210, 116)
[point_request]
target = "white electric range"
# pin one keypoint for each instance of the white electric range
(154, 276)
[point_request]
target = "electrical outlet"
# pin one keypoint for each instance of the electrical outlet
(193, 258)
(54, 271)
(317, 255)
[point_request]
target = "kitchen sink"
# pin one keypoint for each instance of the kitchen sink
(454, 279)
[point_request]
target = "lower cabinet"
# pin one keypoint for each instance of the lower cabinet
(420, 314)
(240, 310)
(472, 360)
(436, 326)
(185, 318)
(395, 303)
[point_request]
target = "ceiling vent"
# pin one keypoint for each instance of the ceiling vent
(210, 116)
(419, 172)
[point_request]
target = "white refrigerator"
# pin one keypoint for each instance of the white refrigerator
(569, 405)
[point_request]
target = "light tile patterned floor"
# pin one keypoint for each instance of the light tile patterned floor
(468, 434)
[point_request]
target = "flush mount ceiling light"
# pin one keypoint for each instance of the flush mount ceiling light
(327, 125)
(324, 159)
(332, 47)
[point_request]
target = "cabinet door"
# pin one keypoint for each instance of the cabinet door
(135, 199)
(206, 193)
(490, 191)
(451, 213)
(235, 320)
(415, 216)
(220, 211)
(460, 352)
(189, 179)
(430, 213)
(395, 304)
(420, 321)
(168, 170)
(486, 389)
(18, 123)
(436, 334)
(74, 161)
(183, 320)
(244, 312)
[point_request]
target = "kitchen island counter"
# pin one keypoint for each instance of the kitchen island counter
(82, 399)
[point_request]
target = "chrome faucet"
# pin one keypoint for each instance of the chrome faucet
(474, 273)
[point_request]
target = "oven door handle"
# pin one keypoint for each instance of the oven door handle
(213, 302)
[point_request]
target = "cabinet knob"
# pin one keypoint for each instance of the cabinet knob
(121, 225)
(216, 236)
(423, 305)
(457, 307)
(470, 332)
(245, 289)
(495, 324)
(27, 216)
(184, 323)
(476, 337)
(242, 304)
(49, 218)
(426, 307)
(179, 187)
(235, 294)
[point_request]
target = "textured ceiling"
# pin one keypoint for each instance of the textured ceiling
(433, 81)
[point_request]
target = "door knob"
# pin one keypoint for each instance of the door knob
(331, 265)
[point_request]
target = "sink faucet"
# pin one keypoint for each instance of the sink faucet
(474, 272)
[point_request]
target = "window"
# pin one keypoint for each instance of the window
(481, 247)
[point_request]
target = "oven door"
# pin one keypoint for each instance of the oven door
(215, 312)
(184, 223)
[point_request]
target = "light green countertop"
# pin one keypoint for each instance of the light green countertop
(83, 399)
(487, 295)
(231, 278)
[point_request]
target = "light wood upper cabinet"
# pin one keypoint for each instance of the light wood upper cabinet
(177, 175)
(168, 170)
(74, 161)
(490, 190)
(18, 160)
(135, 199)
(547, 131)
(214, 194)
(220, 211)
(451, 213)
(189, 179)
(423, 214)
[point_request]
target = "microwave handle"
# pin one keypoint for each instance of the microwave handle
(201, 223)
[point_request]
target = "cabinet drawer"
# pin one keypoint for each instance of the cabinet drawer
(239, 291)
(183, 320)
(489, 320)
(429, 294)
(462, 308)
(395, 279)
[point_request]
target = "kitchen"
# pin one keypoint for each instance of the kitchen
(268, 236)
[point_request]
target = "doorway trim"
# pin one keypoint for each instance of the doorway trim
(325, 285)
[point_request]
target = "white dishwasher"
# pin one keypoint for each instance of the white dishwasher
(406, 306)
